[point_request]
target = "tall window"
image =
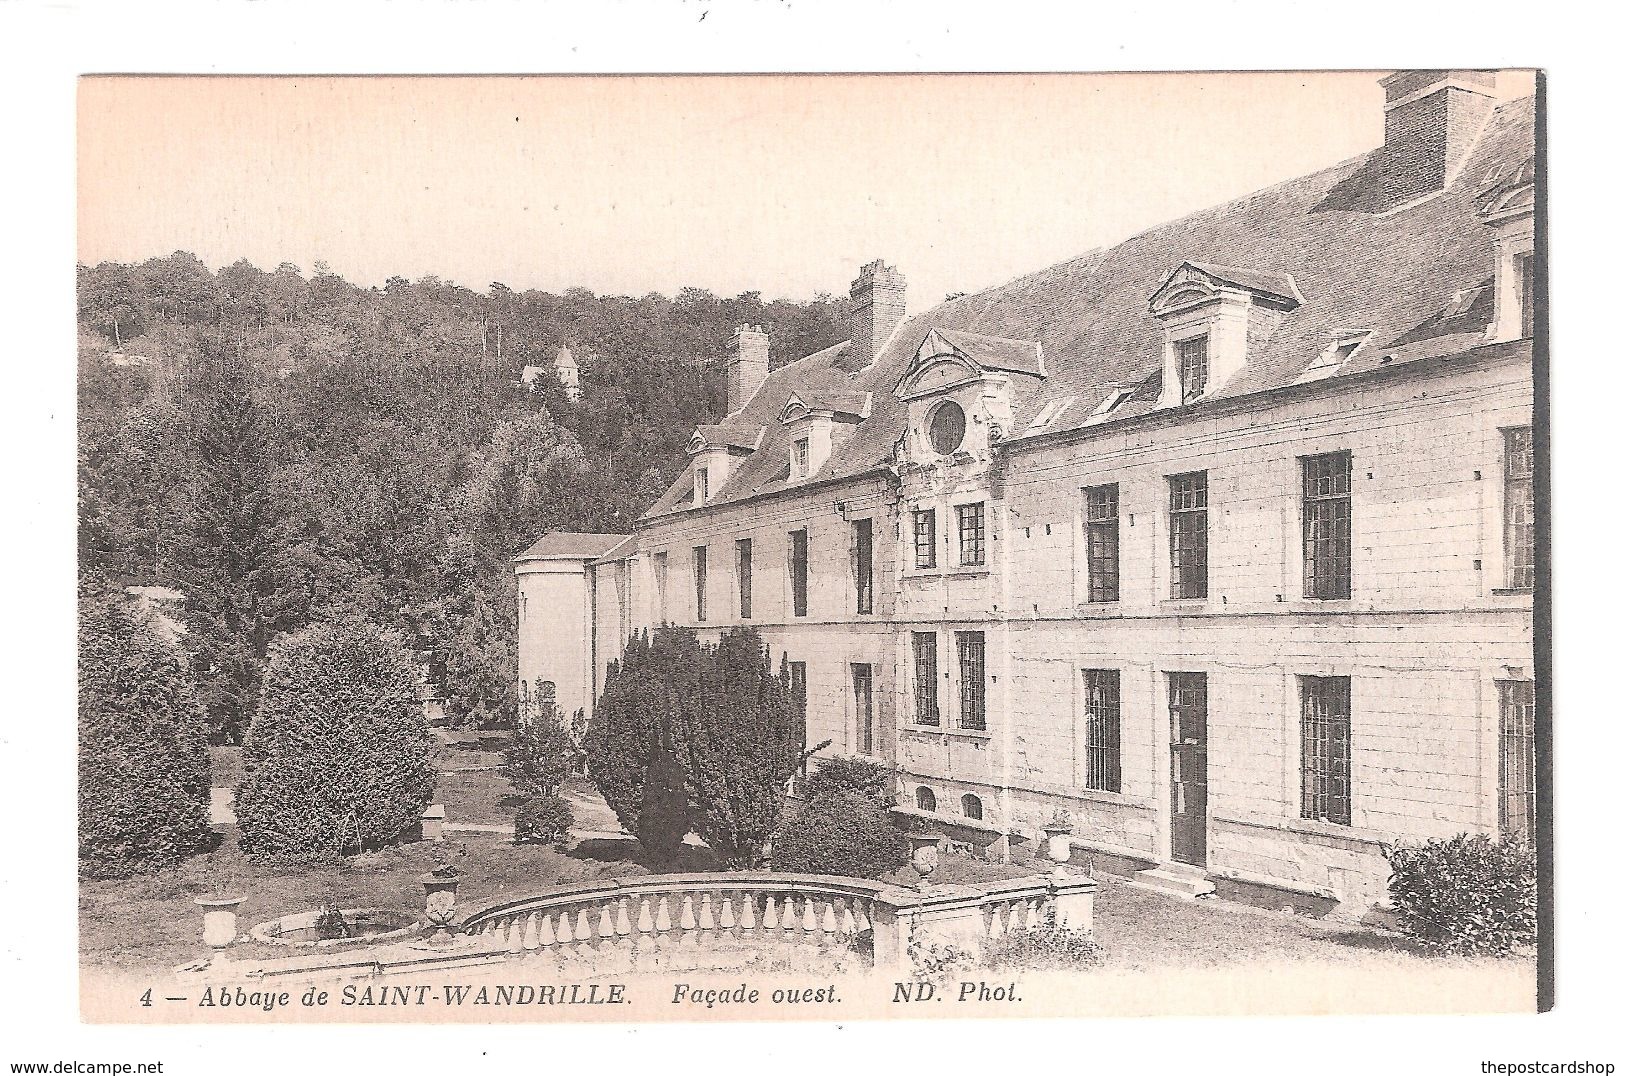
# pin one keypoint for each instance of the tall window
(925, 678)
(1523, 266)
(1518, 510)
(863, 707)
(925, 538)
(798, 572)
(863, 539)
(798, 697)
(1327, 540)
(972, 533)
(1103, 729)
(1187, 533)
(1192, 353)
(702, 485)
(1517, 758)
(972, 679)
(660, 584)
(1101, 520)
(803, 453)
(742, 570)
(1326, 736)
(699, 583)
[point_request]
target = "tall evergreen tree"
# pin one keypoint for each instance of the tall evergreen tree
(235, 562)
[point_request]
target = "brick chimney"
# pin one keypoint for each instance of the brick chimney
(747, 365)
(1430, 121)
(878, 304)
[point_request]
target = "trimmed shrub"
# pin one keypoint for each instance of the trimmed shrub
(337, 759)
(1468, 894)
(846, 833)
(544, 818)
(663, 818)
(838, 774)
(143, 747)
(1048, 946)
(540, 755)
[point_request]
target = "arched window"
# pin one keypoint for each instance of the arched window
(971, 806)
(925, 799)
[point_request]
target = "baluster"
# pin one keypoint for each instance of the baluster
(787, 912)
(849, 922)
(663, 917)
(864, 922)
(566, 935)
(516, 936)
(809, 915)
(646, 922)
(530, 931)
(829, 923)
(686, 922)
(583, 930)
(545, 936)
(995, 923)
(770, 917)
(725, 917)
(623, 922)
(606, 923)
(707, 922)
(747, 912)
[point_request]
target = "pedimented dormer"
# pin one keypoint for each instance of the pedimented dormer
(1507, 206)
(813, 421)
(1210, 315)
(960, 389)
(714, 450)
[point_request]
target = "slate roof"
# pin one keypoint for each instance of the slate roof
(572, 545)
(1405, 275)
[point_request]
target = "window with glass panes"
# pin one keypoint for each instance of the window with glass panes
(660, 584)
(925, 538)
(1101, 523)
(1517, 769)
(699, 582)
(863, 541)
(1187, 534)
(972, 533)
(863, 707)
(798, 698)
(972, 679)
(1326, 734)
(925, 678)
(743, 570)
(1192, 354)
(1327, 525)
(1518, 508)
(1103, 730)
(798, 572)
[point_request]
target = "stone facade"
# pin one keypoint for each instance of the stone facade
(1202, 711)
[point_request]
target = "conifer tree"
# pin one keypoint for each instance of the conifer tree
(235, 561)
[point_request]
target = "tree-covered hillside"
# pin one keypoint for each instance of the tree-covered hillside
(282, 448)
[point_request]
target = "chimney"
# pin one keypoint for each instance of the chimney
(747, 365)
(1430, 121)
(878, 303)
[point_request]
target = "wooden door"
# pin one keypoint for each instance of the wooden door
(1187, 719)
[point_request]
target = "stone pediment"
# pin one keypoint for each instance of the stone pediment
(1194, 283)
(950, 357)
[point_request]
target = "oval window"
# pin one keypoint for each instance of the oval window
(947, 428)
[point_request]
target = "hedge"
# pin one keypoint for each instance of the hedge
(847, 833)
(1472, 895)
(143, 747)
(337, 757)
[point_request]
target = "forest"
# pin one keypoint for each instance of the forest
(284, 448)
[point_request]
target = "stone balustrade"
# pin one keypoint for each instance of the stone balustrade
(696, 910)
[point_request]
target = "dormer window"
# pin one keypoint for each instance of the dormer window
(1331, 360)
(1192, 353)
(947, 428)
(1524, 271)
(801, 455)
(702, 485)
(1507, 206)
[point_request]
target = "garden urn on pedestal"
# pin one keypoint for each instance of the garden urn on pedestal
(924, 854)
(219, 923)
(440, 903)
(1058, 841)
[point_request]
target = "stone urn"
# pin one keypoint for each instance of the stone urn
(440, 904)
(1058, 841)
(924, 855)
(219, 922)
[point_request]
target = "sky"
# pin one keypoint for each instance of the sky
(629, 184)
